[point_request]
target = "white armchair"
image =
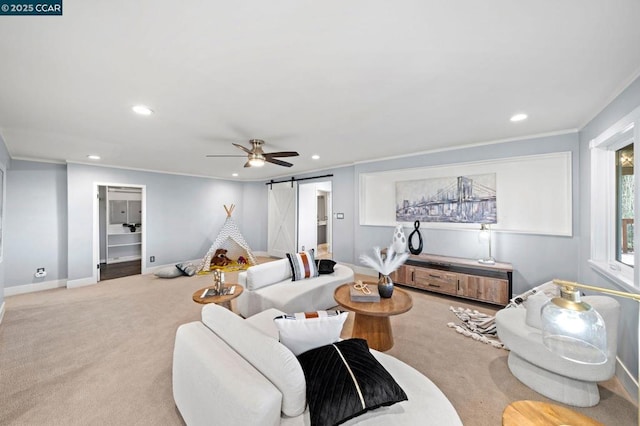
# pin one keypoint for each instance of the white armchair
(545, 372)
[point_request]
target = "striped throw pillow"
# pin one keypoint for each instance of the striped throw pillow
(303, 265)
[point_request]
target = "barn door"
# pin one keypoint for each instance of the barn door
(281, 233)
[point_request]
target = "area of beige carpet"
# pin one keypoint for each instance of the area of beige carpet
(102, 355)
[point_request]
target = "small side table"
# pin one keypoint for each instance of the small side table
(224, 300)
(371, 320)
(538, 413)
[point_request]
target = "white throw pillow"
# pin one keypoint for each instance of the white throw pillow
(534, 305)
(169, 272)
(308, 330)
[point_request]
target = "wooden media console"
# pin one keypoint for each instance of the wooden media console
(458, 277)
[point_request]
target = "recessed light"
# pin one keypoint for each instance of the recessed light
(519, 117)
(93, 157)
(142, 110)
(315, 156)
(234, 174)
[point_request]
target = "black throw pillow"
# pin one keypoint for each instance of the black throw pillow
(345, 380)
(325, 266)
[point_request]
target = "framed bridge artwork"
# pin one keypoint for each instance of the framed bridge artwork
(531, 194)
(456, 199)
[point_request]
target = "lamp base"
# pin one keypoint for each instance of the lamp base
(487, 261)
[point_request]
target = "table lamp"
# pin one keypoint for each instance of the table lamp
(485, 235)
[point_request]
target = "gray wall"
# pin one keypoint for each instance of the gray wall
(251, 216)
(183, 214)
(36, 222)
(535, 258)
(626, 102)
(5, 161)
(49, 222)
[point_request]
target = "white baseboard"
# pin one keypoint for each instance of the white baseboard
(152, 269)
(628, 380)
(81, 282)
(33, 287)
(2, 311)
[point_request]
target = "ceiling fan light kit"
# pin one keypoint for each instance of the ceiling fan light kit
(255, 161)
(256, 157)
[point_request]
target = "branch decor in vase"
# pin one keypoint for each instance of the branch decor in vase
(384, 266)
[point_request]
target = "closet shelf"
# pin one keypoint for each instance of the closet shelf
(124, 245)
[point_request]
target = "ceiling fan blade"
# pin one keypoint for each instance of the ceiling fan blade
(278, 162)
(247, 164)
(282, 154)
(224, 155)
(247, 150)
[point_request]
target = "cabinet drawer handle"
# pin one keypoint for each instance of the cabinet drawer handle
(435, 276)
(413, 276)
(433, 285)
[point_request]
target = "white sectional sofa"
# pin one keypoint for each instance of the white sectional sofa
(231, 371)
(269, 285)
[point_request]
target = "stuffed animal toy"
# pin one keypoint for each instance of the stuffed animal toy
(220, 258)
(242, 260)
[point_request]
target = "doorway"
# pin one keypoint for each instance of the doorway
(314, 218)
(120, 231)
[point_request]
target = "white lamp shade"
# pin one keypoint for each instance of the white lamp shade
(485, 233)
(575, 331)
(484, 236)
(256, 161)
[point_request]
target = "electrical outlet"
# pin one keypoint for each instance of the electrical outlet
(40, 273)
(152, 259)
(39, 270)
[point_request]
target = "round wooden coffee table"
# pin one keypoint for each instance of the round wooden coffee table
(371, 320)
(538, 413)
(224, 300)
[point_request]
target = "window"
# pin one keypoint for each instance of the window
(613, 201)
(624, 205)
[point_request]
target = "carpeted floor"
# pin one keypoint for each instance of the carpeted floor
(101, 355)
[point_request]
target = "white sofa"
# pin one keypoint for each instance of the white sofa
(231, 371)
(269, 285)
(545, 372)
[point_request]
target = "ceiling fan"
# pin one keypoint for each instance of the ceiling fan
(257, 157)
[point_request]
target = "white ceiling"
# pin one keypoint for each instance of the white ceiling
(350, 81)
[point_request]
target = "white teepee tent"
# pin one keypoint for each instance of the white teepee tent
(231, 239)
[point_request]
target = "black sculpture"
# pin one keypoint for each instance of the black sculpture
(418, 250)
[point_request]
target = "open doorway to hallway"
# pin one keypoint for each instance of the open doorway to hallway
(314, 218)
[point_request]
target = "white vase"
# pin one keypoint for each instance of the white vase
(399, 243)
